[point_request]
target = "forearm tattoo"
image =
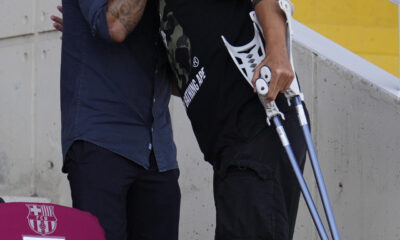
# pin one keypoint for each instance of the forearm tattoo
(128, 12)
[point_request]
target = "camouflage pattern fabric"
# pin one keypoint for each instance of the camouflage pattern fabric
(178, 45)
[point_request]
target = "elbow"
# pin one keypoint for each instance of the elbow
(118, 37)
(117, 32)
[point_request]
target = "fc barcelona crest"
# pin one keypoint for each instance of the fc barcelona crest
(41, 219)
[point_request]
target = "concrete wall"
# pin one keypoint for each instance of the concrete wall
(29, 101)
(354, 127)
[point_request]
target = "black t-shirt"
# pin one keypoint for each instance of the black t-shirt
(220, 103)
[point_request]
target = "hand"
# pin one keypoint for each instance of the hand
(58, 22)
(273, 22)
(282, 74)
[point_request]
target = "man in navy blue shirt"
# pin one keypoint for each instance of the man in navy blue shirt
(116, 130)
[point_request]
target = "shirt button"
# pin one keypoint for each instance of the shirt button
(152, 129)
(154, 100)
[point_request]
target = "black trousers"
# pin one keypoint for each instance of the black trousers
(256, 192)
(130, 202)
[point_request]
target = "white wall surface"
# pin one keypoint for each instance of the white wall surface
(354, 123)
(30, 158)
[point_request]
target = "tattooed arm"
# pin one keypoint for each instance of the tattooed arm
(112, 20)
(273, 22)
(123, 16)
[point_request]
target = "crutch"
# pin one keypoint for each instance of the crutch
(294, 96)
(250, 55)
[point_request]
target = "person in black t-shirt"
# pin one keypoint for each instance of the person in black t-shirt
(255, 190)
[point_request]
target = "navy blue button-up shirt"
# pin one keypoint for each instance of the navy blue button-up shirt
(115, 95)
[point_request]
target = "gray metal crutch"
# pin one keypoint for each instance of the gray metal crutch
(294, 96)
(274, 114)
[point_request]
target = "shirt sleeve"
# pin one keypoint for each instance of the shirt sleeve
(94, 12)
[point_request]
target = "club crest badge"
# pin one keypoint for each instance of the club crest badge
(41, 219)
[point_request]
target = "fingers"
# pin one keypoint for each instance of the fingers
(289, 76)
(57, 26)
(273, 88)
(280, 82)
(58, 23)
(281, 78)
(57, 19)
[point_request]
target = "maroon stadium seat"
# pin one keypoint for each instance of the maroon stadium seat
(38, 221)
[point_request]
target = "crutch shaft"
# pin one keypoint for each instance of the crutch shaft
(316, 168)
(300, 178)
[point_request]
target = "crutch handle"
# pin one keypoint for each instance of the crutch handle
(266, 73)
(263, 82)
(262, 87)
